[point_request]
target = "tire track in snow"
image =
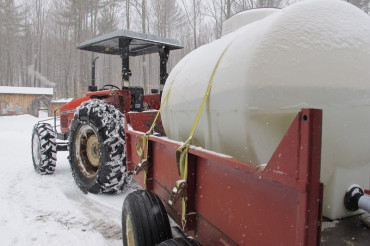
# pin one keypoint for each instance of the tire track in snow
(102, 219)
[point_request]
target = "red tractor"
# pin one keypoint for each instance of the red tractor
(94, 124)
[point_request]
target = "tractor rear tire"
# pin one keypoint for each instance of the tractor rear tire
(97, 150)
(144, 220)
(180, 242)
(44, 148)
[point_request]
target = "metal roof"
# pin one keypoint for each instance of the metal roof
(26, 90)
(141, 43)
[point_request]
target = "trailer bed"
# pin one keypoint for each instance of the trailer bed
(236, 203)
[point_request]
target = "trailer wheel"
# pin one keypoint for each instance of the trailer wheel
(97, 150)
(44, 148)
(144, 220)
(180, 242)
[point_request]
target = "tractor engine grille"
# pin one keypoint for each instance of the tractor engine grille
(64, 120)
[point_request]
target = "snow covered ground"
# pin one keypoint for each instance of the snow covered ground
(49, 210)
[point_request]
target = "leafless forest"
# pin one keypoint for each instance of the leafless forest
(38, 38)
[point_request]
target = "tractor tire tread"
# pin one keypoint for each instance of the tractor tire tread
(109, 122)
(47, 141)
(180, 242)
(151, 223)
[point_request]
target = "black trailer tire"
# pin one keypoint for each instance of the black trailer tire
(97, 150)
(144, 220)
(180, 242)
(44, 148)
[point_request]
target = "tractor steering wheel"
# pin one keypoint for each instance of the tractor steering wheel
(111, 87)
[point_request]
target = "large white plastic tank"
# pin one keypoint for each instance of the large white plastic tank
(311, 54)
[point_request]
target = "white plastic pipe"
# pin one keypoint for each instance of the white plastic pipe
(364, 203)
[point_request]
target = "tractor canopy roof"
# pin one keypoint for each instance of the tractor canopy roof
(139, 43)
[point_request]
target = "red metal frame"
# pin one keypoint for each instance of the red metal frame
(233, 203)
(152, 101)
(121, 99)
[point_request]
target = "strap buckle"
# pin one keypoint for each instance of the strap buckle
(142, 166)
(179, 191)
(182, 158)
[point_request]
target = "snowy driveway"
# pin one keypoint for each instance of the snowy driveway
(48, 210)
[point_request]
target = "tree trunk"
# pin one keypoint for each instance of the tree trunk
(128, 14)
(143, 29)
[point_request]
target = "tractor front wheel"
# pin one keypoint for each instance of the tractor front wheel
(44, 148)
(97, 150)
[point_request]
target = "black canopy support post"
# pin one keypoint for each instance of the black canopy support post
(124, 48)
(164, 52)
(93, 87)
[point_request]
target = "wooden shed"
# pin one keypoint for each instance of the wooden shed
(24, 100)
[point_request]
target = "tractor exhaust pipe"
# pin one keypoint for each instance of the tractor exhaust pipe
(93, 87)
(355, 199)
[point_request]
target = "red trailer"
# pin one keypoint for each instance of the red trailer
(228, 202)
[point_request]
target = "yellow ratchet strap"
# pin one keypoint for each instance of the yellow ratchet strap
(142, 144)
(180, 189)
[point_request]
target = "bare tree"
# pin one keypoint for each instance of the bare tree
(193, 14)
(26, 45)
(128, 15)
(362, 4)
(141, 9)
(108, 20)
(9, 34)
(220, 10)
(166, 17)
(39, 25)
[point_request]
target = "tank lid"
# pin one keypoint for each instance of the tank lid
(245, 18)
